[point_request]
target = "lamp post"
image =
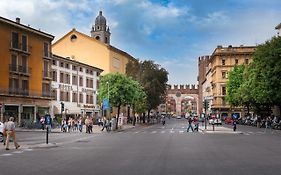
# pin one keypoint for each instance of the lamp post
(108, 109)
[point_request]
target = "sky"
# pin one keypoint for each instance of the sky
(173, 33)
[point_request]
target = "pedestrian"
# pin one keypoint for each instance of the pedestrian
(42, 122)
(87, 124)
(90, 125)
(234, 123)
(80, 120)
(69, 122)
(105, 124)
(190, 124)
(163, 120)
(268, 123)
(63, 125)
(10, 133)
(196, 124)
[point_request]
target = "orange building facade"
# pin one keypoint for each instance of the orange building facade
(25, 71)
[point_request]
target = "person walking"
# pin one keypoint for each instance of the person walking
(105, 124)
(234, 123)
(190, 124)
(268, 123)
(80, 126)
(196, 124)
(10, 133)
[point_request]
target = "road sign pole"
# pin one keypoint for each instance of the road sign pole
(47, 134)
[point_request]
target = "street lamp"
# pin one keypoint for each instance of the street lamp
(108, 110)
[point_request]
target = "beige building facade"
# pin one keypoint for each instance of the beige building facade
(222, 61)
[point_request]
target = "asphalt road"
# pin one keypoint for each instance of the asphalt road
(150, 150)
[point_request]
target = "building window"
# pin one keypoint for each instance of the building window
(25, 87)
(13, 85)
(81, 69)
(61, 64)
(74, 79)
(24, 42)
(54, 62)
(46, 90)
(15, 40)
(98, 84)
(236, 61)
(223, 62)
(91, 72)
(246, 61)
(67, 98)
(89, 99)
(80, 98)
(62, 96)
(80, 81)
(46, 69)
(98, 74)
(87, 71)
(223, 90)
(14, 62)
(54, 94)
(54, 75)
(46, 49)
(24, 63)
(73, 38)
(74, 97)
(61, 77)
(116, 63)
(67, 78)
(74, 67)
(67, 66)
(223, 75)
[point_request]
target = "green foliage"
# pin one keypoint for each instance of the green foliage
(152, 78)
(259, 83)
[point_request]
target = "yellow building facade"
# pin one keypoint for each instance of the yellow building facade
(94, 50)
(222, 61)
(25, 71)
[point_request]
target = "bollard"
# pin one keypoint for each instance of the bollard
(47, 135)
(213, 127)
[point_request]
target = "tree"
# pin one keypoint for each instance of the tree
(265, 73)
(120, 89)
(153, 78)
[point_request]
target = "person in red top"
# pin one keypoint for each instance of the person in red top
(196, 124)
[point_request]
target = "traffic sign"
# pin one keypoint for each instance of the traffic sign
(105, 104)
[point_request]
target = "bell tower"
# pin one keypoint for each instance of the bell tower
(100, 30)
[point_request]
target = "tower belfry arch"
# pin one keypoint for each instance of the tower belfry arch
(100, 31)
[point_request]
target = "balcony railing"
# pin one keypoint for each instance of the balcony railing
(21, 47)
(17, 91)
(25, 93)
(20, 69)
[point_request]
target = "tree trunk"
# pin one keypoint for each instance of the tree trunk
(143, 117)
(148, 116)
(134, 116)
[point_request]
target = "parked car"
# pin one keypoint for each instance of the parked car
(1, 131)
(228, 120)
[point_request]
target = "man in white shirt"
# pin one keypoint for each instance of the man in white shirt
(9, 128)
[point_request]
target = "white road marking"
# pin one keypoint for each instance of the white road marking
(153, 132)
(163, 132)
(183, 127)
(18, 152)
(172, 131)
(28, 149)
(136, 132)
(6, 154)
(181, 132)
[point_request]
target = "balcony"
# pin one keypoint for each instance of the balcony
(47, 75)
(20, 69)
(47, 94)
(17, 91)
(20, 47)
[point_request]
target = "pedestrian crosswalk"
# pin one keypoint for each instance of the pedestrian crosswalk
(170, 131)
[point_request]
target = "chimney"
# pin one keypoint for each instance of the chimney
(18, 20)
